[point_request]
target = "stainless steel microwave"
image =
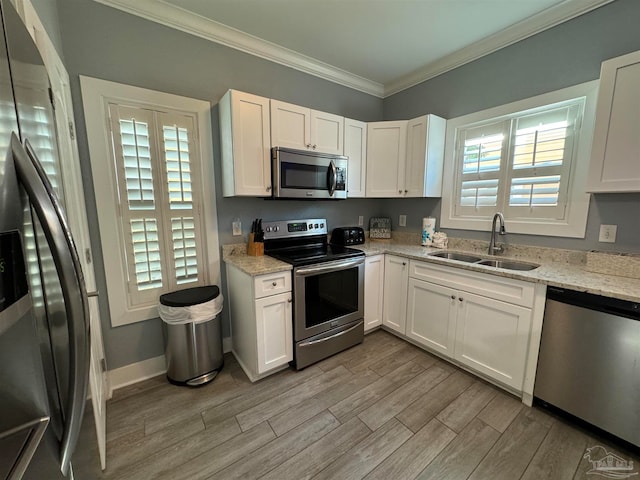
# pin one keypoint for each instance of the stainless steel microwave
(302, 174)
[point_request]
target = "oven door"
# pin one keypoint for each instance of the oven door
(327, 296)
(307, 175)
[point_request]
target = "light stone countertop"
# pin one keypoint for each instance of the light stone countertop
(236, 255)
(559, 268)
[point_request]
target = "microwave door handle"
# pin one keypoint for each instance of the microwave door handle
(54, 225)
(333, 178)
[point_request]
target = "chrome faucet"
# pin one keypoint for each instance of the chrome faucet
(493, 249)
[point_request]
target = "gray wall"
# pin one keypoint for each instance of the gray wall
(568, 54)
(48, 13)
(105, 43)
(102, 42)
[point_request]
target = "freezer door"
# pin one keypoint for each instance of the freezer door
(67, 266)
(23, 400)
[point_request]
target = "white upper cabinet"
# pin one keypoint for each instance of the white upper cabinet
(245, 145)
(615, 155)
(386, 153)
(293, 126)
(327, 132)
(425, 156)
(355, 147)
(405, 158)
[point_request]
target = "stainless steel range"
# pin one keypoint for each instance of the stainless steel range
(328, 288)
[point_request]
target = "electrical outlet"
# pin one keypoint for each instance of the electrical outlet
(402, 222)
(360, 221)
(236, 227)
(608, 233)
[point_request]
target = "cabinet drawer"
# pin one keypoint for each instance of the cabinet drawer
(272, 283)
(505, 289)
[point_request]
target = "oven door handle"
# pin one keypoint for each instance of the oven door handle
(328, 267)
(333, 178)
(331, 337)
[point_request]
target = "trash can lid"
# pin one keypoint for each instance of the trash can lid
(190, 296)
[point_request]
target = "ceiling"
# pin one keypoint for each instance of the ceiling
(377, 46)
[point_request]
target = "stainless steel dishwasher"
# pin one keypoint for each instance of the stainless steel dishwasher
(589, 363)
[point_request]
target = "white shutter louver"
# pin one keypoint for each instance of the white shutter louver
(481, 152)
(541, 160)
(176, 149)
(136, 153)
(146, 252)
(185, 255)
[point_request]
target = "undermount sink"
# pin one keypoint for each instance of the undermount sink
(488, 262)
(509, 265)
(461, 257)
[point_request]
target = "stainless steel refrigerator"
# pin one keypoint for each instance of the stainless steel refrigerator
(44, 328)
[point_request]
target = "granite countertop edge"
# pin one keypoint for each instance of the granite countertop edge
(555, 274)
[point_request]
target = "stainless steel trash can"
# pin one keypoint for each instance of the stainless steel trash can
(193, 334)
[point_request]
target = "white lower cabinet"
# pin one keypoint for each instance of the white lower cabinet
(463, 315)
(273, 325)
(431, 316)
(373, 291)
(492, 337)
(260, 310)
(396, 279)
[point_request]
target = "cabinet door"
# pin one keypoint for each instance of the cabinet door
(492, 338)
(246, 155)
(616, 138)
(416, 157)
(386, 153)
(373, 291)
(425, 156)
(327, 132)
(431, 316)
(396, 278)
(355, 147)
(274, 336)
(290, 125)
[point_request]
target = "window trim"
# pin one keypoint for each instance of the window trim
(575, 222)
(96, 96)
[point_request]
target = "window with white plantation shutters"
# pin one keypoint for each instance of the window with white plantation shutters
(155, 153)
(519, 164)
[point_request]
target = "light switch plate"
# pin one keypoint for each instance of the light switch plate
(402, 222)
(608, 233)
(360, 221)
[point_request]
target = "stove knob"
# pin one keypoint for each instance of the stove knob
(316, 225)
(310, 226)
(322, 225)
(276, 228)
(268, 229)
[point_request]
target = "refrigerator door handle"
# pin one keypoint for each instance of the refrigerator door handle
(49, 212)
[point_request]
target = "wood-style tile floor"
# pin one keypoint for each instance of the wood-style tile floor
(381, 410)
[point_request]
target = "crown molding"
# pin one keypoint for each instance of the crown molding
(519, 31)
(171, 16)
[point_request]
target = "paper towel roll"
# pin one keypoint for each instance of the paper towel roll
(428, 229)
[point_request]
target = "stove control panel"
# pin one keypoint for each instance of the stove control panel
(294, 228)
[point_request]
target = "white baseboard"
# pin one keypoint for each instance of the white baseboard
(151, 367)
(136, 372)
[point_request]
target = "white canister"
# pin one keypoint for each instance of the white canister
(428, 229)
